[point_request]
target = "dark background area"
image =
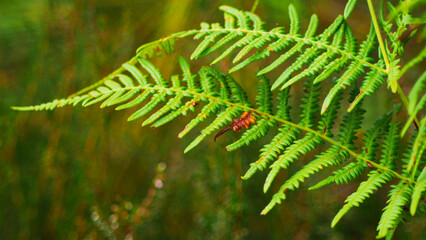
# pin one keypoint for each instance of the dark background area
(85, 173)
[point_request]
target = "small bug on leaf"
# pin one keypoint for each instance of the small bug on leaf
(245, 120)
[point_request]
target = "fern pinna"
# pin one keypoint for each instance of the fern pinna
(139, 84)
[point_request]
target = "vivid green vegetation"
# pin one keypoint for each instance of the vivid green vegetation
(86, 173)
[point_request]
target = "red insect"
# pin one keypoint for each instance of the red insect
(194, 103)
(245, 120)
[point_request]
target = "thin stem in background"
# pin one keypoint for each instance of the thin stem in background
(379, 36)
(253, 8)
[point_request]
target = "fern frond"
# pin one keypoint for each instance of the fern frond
(294, 20)
(301, 146)
(210, 108)
(309, 104)
(270, 151)
(351, 123)
(419, 147)
(418, 191)
(418, 87)
(391, 142)
(284, 138)
(343, 175)
(321, 61)
(349, 8)
(371, 83)
(394, 73)
(337, 64)
(354, 169)
(334, 155)
(264, 95)
(355, 69)
(375, 180)
(317, 51)
(257, 131)
(398, 197)
(312, 53)
(182, 111)
(264, 104)
(221, 120)
(415, 106)
(405, 27)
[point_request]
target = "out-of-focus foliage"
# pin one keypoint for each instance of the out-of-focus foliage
(75, 174)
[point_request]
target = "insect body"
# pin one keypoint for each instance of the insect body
(244, 121)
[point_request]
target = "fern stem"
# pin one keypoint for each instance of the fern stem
(379, 36)
(253, 8)
(406, 105)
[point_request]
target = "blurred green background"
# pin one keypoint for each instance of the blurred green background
(84, 173)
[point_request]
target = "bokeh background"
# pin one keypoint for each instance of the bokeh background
(85, 173)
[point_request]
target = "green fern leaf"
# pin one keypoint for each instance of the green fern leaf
(371, 83)
(270, 151)
(257, 131)
(221, 120)
(310, 32)
(398, 197)
(333, 156)
(391, 142)
(354, 70)
(209, 39)
(343, 175)
(220, 101)
(320, 62)
(419, 86)
(349, 8)
(375, 180)
(294, 20)
(257, 43)
(136, 101)
(136, 73)
(263, 101)
(189, 106)
(187, 75)
(207, 110)
(418, 191)
(155, 100)
(241, 17)
(286, 133)
(153, 71)
(310, 53)
(264, 95)
(276, 46)
(310, 104)
(301, 146)
(171, 104)
(418, 148)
